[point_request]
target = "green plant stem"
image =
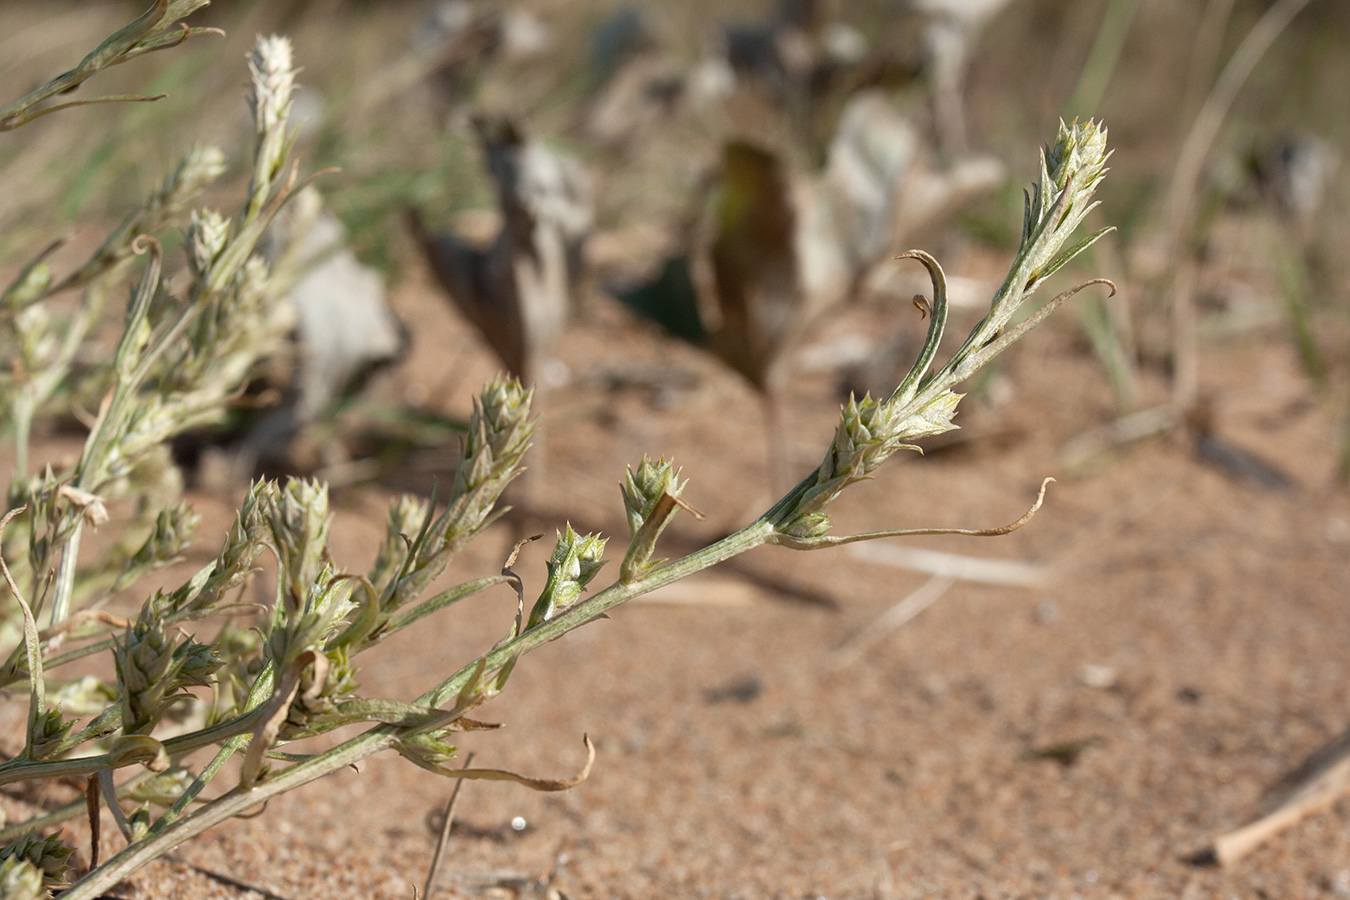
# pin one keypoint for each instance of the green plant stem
(65, 576)
(68, 656)
(756, 534)
(22, 413)
(62, 813)
(1111, 350)
(37, 392)
(440, 601)
(23, 770)
(105, 784)
(384, 737)
(91, 469)
(1293, 272)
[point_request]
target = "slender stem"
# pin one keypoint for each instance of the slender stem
(22, 414)
(105, 783)
(1186, 184)
(258, 693)
(384, 737)
(43, 385)
(759, 532)
(54, 817)
(1204, 55)
(434, 604)
(227, 807)
(61, 813)
(173, 813)
(65, 576)
(433, 873)
(69, 656)
(23, 770)
(1102, 58)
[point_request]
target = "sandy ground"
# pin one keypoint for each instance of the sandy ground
(1085, 738)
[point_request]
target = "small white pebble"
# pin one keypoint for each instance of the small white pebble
(1098, 676)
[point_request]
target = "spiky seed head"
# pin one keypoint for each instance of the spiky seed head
(49, 855)
(273, 72)
(49, 731)
(162, 789)
(171, 535)
(644, 487)
(199, 167)
(207, 234)
(21, 880)
(575, 561)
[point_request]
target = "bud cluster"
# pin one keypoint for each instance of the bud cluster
(499, 433)
(48, 731)
(575, 561)
(313, 701)
(152, 668)
(21, 880)
(297, 521)
(866, 436)
(49, 856)
(648, 512)
(35, 340)
(207, 234)
(171, 535)
(500, 430)
(198, 168)
(200, 595)
(321, 613)
(273, 71)
(1071, 170)
(427, 749)
(407, 515)
(162, 788)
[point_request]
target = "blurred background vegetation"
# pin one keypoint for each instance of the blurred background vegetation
(391, 89)
(397, 140)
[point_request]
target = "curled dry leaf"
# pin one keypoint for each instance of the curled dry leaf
(285, 693)
(91, 506)
(534, 784)
(782, 246)
(517, 291)
(816, 543)
(130, 749)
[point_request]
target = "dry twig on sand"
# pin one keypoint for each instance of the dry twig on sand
(1322, 780)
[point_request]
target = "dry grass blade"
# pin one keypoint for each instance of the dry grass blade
(91, 800)
(853, 649)
(547, 785)
(434, 873)
(517, 291)
(1004, 572)
(1320, 782)
(1185, 186)
(1090, 445)
(288, 688)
